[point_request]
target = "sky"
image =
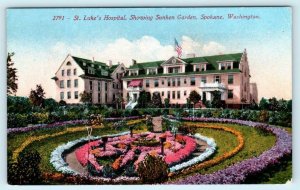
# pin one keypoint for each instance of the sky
(41, 43)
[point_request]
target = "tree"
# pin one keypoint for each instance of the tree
(263, 104)
(144, 99)
(85, 97)
(216, 100)
(188, 103)
(156, 100)
(12, 77)
(194, 97)
(273, 104)
(37, 96)
(118, 101)
(167, 102)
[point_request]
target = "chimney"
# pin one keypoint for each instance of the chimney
(133, 62)
(110, 63)
(93, 60)
(190, 55)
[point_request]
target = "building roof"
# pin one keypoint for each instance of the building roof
(101, 69)
(236, 57)
(211, 61)
(113, 68)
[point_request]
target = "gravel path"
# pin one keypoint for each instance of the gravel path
(157, 122)
(74, 164)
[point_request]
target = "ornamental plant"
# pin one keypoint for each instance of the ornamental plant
(153, 169)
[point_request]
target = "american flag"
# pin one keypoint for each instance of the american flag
(178, 48)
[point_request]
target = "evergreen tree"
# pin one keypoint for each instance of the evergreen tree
(12, 77)
(167, 102)
(144, 99)
(156, 100)
(194, 97)
(37, 96)
(263, 104)
(216, 101)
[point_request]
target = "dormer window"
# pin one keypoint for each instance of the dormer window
(152, 71)
(225, 65)
(92, 65)
(91, 71)
(84, 64)
(199, 67)
(134, 73)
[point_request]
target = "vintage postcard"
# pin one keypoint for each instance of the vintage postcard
(186, 95)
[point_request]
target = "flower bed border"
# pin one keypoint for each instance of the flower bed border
(63, 123)
(238, 172)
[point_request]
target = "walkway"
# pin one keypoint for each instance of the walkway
(157, 124)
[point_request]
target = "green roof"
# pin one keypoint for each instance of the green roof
(185, 74)
(146, 65)
(112, 68)
(212, 65)
(236, 57)
(100, 68)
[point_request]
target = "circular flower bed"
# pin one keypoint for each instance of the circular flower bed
(118, 156)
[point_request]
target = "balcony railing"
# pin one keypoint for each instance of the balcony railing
(139, 88)
(213, 86)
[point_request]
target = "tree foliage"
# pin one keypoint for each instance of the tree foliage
(144, 99)
(216, 100)
(167, 102)
(12, 77)
(85, 97)
(37, 96)
(194, 97)
(153, 169)
(156, 100)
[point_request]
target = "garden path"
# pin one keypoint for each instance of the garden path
(157, 124)
(74, 164)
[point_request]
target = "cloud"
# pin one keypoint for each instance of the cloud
(146, 48)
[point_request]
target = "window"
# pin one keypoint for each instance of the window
(156, 83)
(184, 81)
(168, 94)
(203, 79)
(169, 82)
(113, 85)
(197, 68)
(193, 82)
(173, 82)
(163, 93)
(152, 71)
(178, 81)
(68, 72)
(99, 97)
(74, 72)
(147, 83)
(105, 97)
(203, 67)
(184, 93)
(230, 94)
(76, 83)
(105, 85)
(69, 95)
(230, 79)
(217, 79)
(69, 83)
(91, 85)
(61, 84)
(76, 94)
(99, 85)
(178, 94)
(223, 66)
(114, 97)
(245, 87)
(69, 63)
(173, 94)
(62, 72)
(128, 82)
(134, 73)
(62, 95)
(162, 81)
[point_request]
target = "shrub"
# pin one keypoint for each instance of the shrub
(263, 116)
(26, 169)
(130, 171)
(108, 172)
(153, 169)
